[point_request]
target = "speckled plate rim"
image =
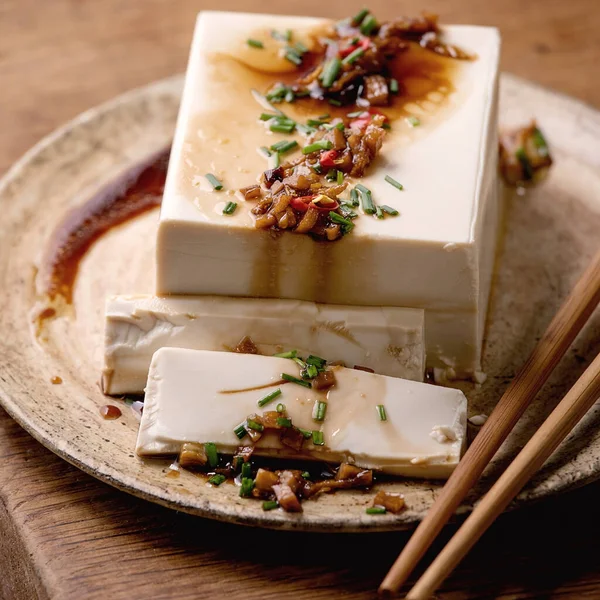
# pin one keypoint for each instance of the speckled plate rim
(172, 86)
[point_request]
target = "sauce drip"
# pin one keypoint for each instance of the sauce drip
(110, 412)
(56, 380)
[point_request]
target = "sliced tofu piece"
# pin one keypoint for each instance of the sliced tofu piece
(388, 340)
(437, 255)
(201, 396)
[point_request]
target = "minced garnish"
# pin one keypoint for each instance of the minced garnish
(254, 43)
(393, 182)
(229, 208)
(381, 412)
(217, 185)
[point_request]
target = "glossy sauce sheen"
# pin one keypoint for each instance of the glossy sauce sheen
(110, 412)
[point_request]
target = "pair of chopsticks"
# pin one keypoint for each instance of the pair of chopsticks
(561, 332)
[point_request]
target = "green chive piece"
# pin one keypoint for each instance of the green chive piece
(284, 36)
(284, 146)
(393, 182)
(230, 208)
(246, 470)
(319, 411)
(274, 160)
(315, 122)
(334, 102)
(280, 408)
(288, 354)
(317, 168)
(306, 475)
(524, 160)
(359, 16)
(540, 142)
(267, 116)
(255, 425)
(347, 213)
(331, 70)
(300, 47)
(240, 431)
(284, 422)
(367, 201)
(389, 210)
(331, 175)
(345, 223)
(305, 432)
(318, 145)
(269, 398)
(355, 114)
(381, 412)
(282, 127)
(378, 212)
(317, 438)
(293, 379)
(324, 117)
(354, 197)
(305, 129)
(413, 121)
(316, 360)
(376, 510)
(310, 372)
(386, 126)
(353, 56)
(340, 177)
(211, 454)
(217, 479)
(246, 487)
(368, 24)
(293, 56)
(217, 185)
(270, 504)
(394, 86)
(264, 151)
(255, 43)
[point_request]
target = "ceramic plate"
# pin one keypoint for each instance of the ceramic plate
(550, 234)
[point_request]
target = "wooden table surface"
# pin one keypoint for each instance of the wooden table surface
(65, 535)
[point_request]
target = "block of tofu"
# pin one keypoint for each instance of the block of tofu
(388, 340)
(436, 255)
(202, 396)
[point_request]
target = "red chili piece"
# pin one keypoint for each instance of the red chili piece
(301, 203)
(327, 158)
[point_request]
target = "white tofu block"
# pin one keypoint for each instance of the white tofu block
(388, 340)
(185, 402)
(437, 255)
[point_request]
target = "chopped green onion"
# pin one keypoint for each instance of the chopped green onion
(267, 116)
(355, 114)
(334, 102)
(413, 121)
(386, 126)
(329, 127)
(359, 16)
(347, 213)
(211, 454)
(311, 372)
(282, 127)
(367, 202)
(217, 479)
(280, 408)
(285, 36)
(394, 86)
(240, 431)
(540, 142)
(317, 168)
(255, 43)
(324, 117)
(330, 72)
(393, 182)
(274, 160)
(376, 510)
(305, 129)
(331, 175)
(230, 208)
(293, 56)
(318, 145)
(217, 185)
(284, 422)
(345, 223)
(293, 379)
(389, 210)
(354, 197)
(264, 151)
(319, 410)
(527, 170)
(299, 362)
(305, 432)
(284, 146)
(269, 398)
(300, 47)
(306, 475)
(378, 212)
(289, 96)
(288, 354)
(316, 360)
(340, 177)
(317, 438)
(246, 470)
(255, 425)
(270, 504)
(381, 412)
(353, 56)
(368, 24)
(247, 487)
(316, 122)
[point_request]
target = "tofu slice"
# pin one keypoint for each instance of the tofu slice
(388, 340)
(191, 397)
(437, 255)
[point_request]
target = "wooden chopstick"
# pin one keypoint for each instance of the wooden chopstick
(561, 332)
(580, 398)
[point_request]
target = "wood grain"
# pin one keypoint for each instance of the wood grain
(86, 540)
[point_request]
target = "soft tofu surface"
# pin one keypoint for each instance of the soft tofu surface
(185, 402)
(389, 340)
(436, 255)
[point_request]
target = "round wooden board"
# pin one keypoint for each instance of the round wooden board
(551, 233)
